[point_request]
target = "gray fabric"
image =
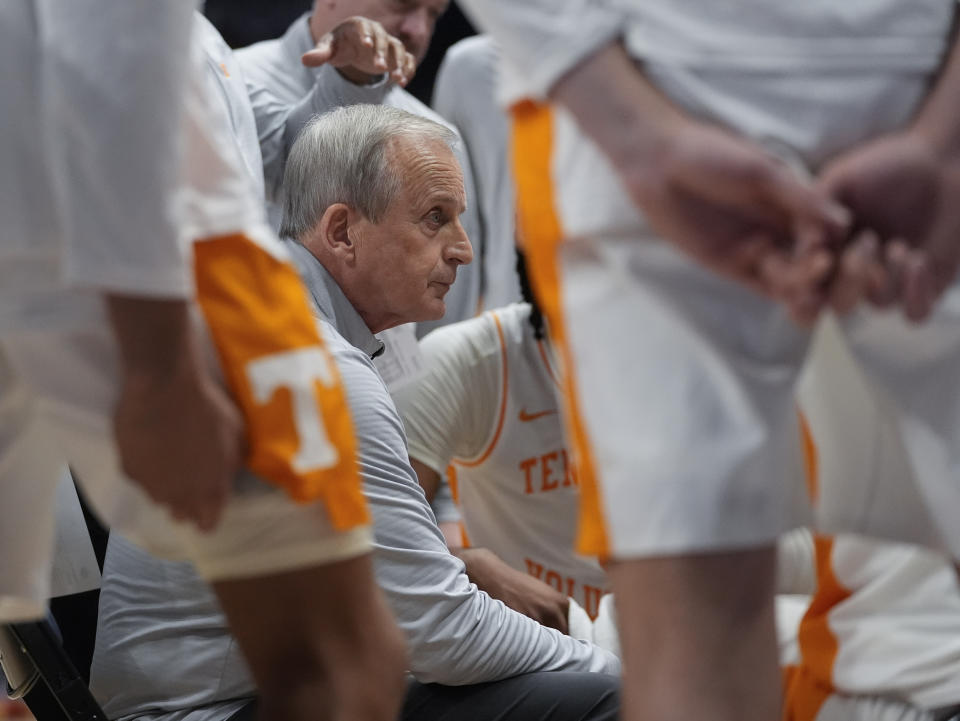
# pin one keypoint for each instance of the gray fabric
(285, 95)
(330, 303)
(552, 696)
(163, 647)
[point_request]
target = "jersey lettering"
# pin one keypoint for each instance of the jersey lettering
(297, 371)
(568, 586)
(552, 470)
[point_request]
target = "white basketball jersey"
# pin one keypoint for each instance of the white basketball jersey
(519, 496)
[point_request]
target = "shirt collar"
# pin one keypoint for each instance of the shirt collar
(330, 302)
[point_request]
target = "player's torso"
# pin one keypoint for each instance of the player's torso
(520, 496)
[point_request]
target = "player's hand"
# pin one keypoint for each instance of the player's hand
(740, 211)
(519, 591)
(362, 51)
(904, 194)
(180, 438)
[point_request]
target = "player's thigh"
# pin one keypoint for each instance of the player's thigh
(684, 384)
(544, 696)
(913, 372)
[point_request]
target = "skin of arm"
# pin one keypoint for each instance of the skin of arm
(901, 188)
(178, 433)
(720, 198)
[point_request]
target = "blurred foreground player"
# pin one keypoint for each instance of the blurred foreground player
(679, 182)
(119, 184)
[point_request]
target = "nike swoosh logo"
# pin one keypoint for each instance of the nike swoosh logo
(527, 417)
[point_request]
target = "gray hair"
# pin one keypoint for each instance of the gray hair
(341, 157)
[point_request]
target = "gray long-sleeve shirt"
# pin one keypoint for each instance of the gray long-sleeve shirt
(285, 94)
(163, 647)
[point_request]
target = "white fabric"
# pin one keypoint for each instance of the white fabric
(465, 94)
(543, 38)
(796, 569)
(516, 488)
(285, 95)
(90, 129)
(899, 631)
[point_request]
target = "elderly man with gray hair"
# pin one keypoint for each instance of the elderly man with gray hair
(373, 199)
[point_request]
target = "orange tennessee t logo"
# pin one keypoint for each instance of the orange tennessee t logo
(527, 417)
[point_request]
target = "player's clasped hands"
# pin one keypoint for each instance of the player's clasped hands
(876, 224)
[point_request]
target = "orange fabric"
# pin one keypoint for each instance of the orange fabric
(811, 459)
(256, 309)
(540, 233)
(803, 696)
(809, 685)
(503, 401)
(455, 492)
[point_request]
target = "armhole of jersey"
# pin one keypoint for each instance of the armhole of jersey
(502, 412)
(545, 357)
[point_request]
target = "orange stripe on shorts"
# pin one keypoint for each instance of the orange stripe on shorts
(540, 233)
(300, 434)
(808, 686)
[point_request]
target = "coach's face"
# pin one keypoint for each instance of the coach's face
(406, 263)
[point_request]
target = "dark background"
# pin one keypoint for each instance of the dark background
(242, 22)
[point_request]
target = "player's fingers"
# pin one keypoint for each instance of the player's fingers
(895, 260)
(811, 210)
(919, 287)
(854, 272)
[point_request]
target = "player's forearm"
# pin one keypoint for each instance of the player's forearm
(155, 337)
(613, 102)
(939, 118)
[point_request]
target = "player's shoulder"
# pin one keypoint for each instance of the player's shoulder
(483, 336)
(475, 54)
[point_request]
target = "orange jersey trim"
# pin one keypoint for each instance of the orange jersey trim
(540, 233)
(503, 402)
(262, 328)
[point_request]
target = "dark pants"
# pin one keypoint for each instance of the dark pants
(544, 696)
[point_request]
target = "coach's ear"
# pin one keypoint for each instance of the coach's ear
(334, 235)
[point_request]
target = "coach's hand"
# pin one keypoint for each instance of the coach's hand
(362, 51)
(518, 590)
